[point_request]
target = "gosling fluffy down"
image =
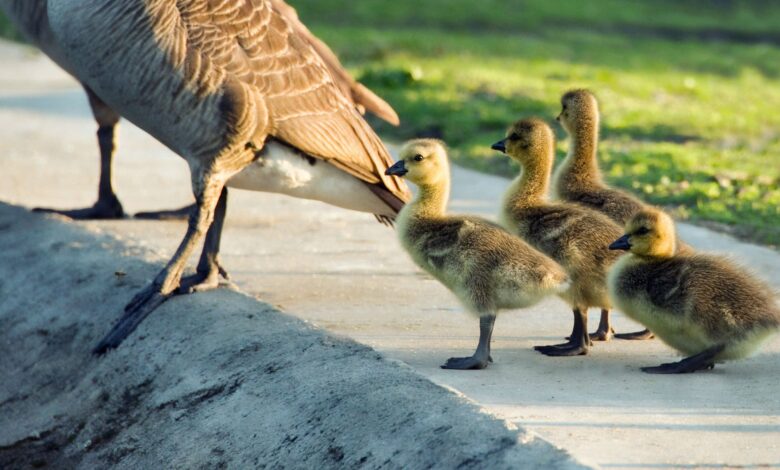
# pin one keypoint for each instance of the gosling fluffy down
(702, 305)
(486, 268)
(574, 236)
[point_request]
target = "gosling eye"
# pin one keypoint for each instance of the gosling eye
(642, 231)
(513, 136)
(418, 158)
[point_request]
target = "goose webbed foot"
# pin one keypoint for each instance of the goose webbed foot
(701, 361)
(203, 281)
(173, 214)
(104, 209)
(481, 357)
(142, 304)
(636, 335)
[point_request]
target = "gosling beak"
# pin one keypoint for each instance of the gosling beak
(621, 244)
(500, 146)
(398, 169)
(558, 118)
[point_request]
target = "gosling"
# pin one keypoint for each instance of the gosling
(484, 266)
(701, 305)
(578, 179)
(572, 235)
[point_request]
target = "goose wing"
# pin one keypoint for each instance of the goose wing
(257, 44)
(360, 95)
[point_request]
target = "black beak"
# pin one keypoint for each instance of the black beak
(558, 118)
(621, 243)
(398, 169)
(500, 146)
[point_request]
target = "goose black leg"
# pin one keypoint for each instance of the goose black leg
(579, 341)
(209, 268)
(174, 214)
(605, 330)
(168, 280)
(481, 356)
(107, 205)
(703, 360)
(636, 335)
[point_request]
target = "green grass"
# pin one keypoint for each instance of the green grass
(689, 89)
(689, 93)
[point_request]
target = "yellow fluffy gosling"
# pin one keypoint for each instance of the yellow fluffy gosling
(572, 235)
(484, 266)
(701, 305)
(578, 179)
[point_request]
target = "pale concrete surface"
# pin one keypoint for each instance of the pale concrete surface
(213, 381)
(344, 272)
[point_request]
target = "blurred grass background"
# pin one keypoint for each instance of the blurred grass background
(689, 89)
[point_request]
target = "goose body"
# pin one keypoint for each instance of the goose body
(486, 268)
(702, 305)
(572, 235)
(31, 17)
(226, 85)
(281, 169)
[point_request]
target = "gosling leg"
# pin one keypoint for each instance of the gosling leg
(579, 341)
(605, 330)
(481, 356)
(701, 361)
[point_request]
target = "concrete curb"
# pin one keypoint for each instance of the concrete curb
(215, 380)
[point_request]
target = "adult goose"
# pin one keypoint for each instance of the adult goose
(245, 99)
(31, 18)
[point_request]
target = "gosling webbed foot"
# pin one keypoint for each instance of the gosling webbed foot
(602, 334)
(572, 348)
(474, 362)
(173, 214)
(104, 209)
(636, 335)
(578, 344)
(677, 368)
(702, 361)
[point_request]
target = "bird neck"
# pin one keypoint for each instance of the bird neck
(431, 199)
(530, 187)
(581, 159)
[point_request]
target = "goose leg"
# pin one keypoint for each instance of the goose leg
(168, 280)
(605, 330)
(107, 205)
(636, 335)
(701, 361)
(209, 267)
(481, 356)
(579, 341)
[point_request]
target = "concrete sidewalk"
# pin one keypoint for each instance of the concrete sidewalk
(346, 273)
